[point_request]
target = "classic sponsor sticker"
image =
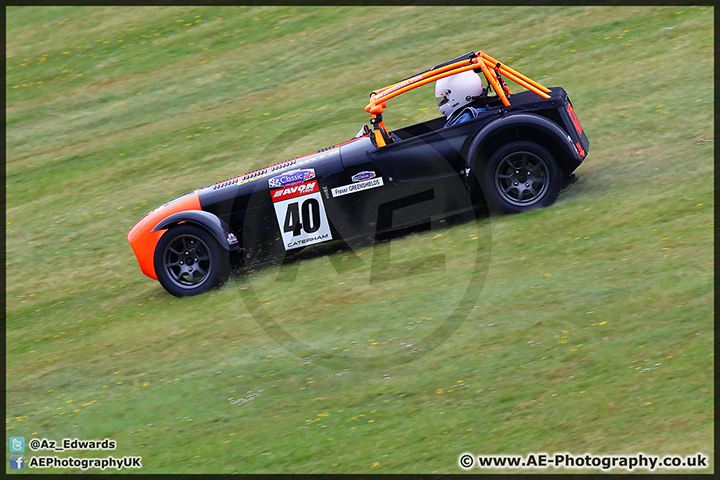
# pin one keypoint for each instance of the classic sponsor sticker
(293, 177)
(359, 177)
(357, 187)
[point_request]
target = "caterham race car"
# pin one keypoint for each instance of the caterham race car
(514, 155)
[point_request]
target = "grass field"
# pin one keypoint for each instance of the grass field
(588, 326)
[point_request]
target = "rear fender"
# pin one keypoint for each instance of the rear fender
(553, 138)
(212, 223)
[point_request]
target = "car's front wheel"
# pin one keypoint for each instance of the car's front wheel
(189, 261)
(521, 176)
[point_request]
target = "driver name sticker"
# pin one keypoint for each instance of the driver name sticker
(301, 215)
(357, 187)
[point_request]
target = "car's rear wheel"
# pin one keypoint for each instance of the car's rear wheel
(521, 176)
(189, 261)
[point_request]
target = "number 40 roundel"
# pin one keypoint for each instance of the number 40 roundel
(301, 215)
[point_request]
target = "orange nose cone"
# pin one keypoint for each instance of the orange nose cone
(143, 240)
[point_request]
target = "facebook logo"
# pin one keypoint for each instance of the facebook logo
(17, 462)
(17, 444)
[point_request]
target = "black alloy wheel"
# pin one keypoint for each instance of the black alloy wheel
(189, 261)
(521, 176)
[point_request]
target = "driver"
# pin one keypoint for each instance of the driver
(455, 94)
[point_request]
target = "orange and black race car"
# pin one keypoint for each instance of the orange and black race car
(514, 155)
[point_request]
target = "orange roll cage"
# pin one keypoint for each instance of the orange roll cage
(477, 61)
(471, 61)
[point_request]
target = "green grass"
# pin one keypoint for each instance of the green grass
(588, 326)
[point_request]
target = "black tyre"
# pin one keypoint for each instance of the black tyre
(521, 176)
(189, 261)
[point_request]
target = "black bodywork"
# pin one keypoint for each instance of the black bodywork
(426, 172)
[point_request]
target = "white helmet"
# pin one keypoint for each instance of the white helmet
(457, 90)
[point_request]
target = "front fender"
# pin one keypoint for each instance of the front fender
(143, 241)
(211, 222)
